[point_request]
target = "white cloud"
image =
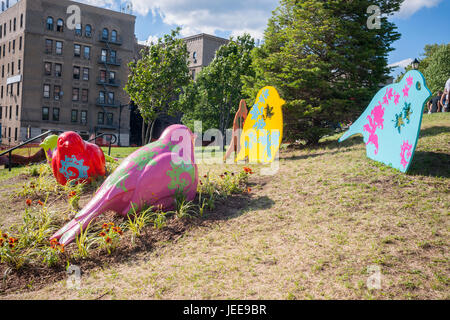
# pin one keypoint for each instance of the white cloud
(197, 16)
(403, 63)
(151, 39)
(409, 7)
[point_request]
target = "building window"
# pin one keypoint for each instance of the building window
(50, 23)
(14, 46)
(57, 92)
(105, 34)
(18, 88)
(104, 55)
(88, 30)
(15, 133)
(46, 91)
(55, 114)
(114, 36)
(77, 50)
(14, 24)
(20, 43)
(87, 52)
(4, 50)
(45, 113)
(10, 112)
(60, 25)
(48, 46)
(1, 31)
(59, 48)
(76, 73)
(86, 74)
(75, 94)
(3, 71)
(84, 95)
(48, 68)
(113, 56)
(12, 68)
(102, 75)
(17, 112)
(21, 20)
(78, 29)
(19, 65)
(100, 118)
(83, 116)
(110, 97)
(101, 97)
(58, 70)
(109, 118)
(112, 77)
(74, 116)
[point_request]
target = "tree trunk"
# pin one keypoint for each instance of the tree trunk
(143, 132)
(147, 133)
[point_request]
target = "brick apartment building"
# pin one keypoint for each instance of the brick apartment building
(56, 78)
(61, 79)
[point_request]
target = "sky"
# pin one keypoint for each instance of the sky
(420, 22)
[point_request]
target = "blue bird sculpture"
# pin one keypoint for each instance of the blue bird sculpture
(391, 123)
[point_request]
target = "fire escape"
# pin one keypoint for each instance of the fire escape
(108, 62)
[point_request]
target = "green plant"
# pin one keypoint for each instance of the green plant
(13, 252)
(51, 253)
(110, 237)
(84, 241)
(136, 222)
(160, 220)
(183, 208)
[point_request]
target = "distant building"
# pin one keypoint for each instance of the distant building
(202, 50)
(61, 79)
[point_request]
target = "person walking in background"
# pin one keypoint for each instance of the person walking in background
(444, 101)
(434, 105)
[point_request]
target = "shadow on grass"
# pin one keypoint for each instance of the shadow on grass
(430, 164)
(433, 131)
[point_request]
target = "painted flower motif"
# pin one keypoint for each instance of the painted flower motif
(405, 91)
(409, 81)
(396, 98)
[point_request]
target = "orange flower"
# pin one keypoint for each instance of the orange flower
(5, 235)
(40, 202)
(102, 234)
(61, 248)
(108, 240)
(249, 190)
(28, 202)
(72, 194)
(1, 241)
(248, 170)
(105, 226)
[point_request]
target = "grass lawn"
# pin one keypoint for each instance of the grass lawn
(309, 232)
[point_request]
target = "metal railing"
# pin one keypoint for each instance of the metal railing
(111, 141)
(9, 151)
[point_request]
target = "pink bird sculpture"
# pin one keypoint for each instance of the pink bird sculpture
(150, 176)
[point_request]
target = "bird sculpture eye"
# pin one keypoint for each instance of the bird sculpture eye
(418, 86)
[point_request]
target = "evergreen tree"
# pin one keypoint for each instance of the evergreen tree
(324, 60)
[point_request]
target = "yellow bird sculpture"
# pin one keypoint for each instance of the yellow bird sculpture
(263, 129)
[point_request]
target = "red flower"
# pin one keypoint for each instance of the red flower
(40, 202)
(28, 202)
(72, 194)
(102, 234)
(108, 240)
(249, 190)
(105, 226)
(248, 170)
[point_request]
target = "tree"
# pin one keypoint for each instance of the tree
(155, 80)
(429, 50)
(437, 70)
(324, 60)
(214, 97)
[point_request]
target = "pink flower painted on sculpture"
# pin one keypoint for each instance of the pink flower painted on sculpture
(375, 121)
(405, 153)
(409, 81)
(405, 91)
(396, 98)
(389, 93)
